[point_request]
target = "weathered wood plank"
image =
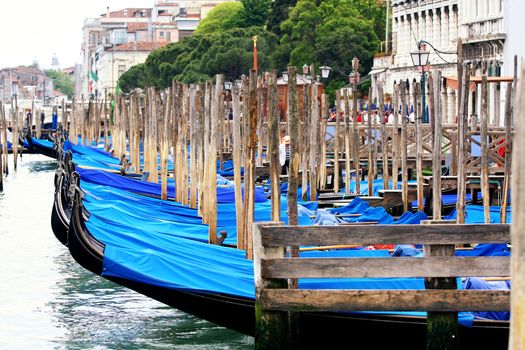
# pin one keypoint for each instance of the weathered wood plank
(517, 323)
(384, 234)
(384, 300)
(431, 266)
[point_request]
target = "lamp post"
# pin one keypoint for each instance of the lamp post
(420, 59)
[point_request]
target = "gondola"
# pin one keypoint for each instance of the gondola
(63, 201)
(316, 329)
(45, 147)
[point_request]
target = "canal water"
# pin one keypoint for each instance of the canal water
(47, 301)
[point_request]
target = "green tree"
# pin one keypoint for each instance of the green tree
(61, 81)
(278, 13)
(200, 57)
(222, 17)
(254, 14)
(332, 32)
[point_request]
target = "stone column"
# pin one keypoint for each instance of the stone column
(451, 104)
(453, 27)
(444, 28)
(444, 105)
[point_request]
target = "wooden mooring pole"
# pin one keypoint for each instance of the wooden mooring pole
(517, 312)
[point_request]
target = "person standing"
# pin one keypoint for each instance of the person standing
(284, 154)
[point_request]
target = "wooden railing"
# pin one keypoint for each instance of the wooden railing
(273, 267)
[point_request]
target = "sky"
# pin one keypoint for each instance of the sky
(37, 29)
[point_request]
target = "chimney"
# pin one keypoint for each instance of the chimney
(107, 12)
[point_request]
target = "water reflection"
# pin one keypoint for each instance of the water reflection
(50, 302)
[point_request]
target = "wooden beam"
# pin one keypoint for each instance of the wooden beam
(385, 234)
(384, 300)
(428, 266)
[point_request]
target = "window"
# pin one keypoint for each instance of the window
(161, 34)
(94, 39)
(119, 36)
(121, 69)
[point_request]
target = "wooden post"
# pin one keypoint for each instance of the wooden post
(348, 153)
(462, 133)
(384, 136)
(193, 147)
(249, 171)
(355, 67)
(272, 329)
(216, 113)
(313, 143)
(305, 122)
(14, 128)
(237, 164)
(419, 145)
(293, 132)
(517, 312)
(395, 138)
(484, 148)
(273, 144)
(335, 176)
(2, 126)
(321, 158)
(436, 155)
(260, 121)
(442, 327)
(164, 147)
(369, 147)
(5, 169)
(404, 170)
(508, 153)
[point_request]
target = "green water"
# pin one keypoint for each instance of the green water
(47, 301)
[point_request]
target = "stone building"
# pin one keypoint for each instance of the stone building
(26, 83)
(490, 33)
(141, 28)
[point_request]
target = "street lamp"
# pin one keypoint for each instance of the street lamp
(325, 71)
(305, 69)
(285, 76)
(420, 59)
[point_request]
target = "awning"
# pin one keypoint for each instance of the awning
(376, 71)
(452, 82)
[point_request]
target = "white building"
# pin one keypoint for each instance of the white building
(113, 62)
(490, 31)
(168, 21)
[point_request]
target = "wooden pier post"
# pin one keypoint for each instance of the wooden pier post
(462, 134)
(442, 327)
(193, 146)
(348, 153)
(419, 145)
(216, 113)
(305, 122)
(369, 146)
(5, 169)
(164, 147)
(355, 67)
(293, 132)
(395, 138)
(335, 176)
(384, 135)
(517, 312)
(436, 155)
(273, 144)
(509, 109)
(237, 164)
(14, 131)
(484, 116)
(314, 130)
(404, 145)
(2, 126)
(272, 328)
(249, 170)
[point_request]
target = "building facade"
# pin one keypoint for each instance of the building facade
(108, 41)
(490, 33)
(26, 83)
